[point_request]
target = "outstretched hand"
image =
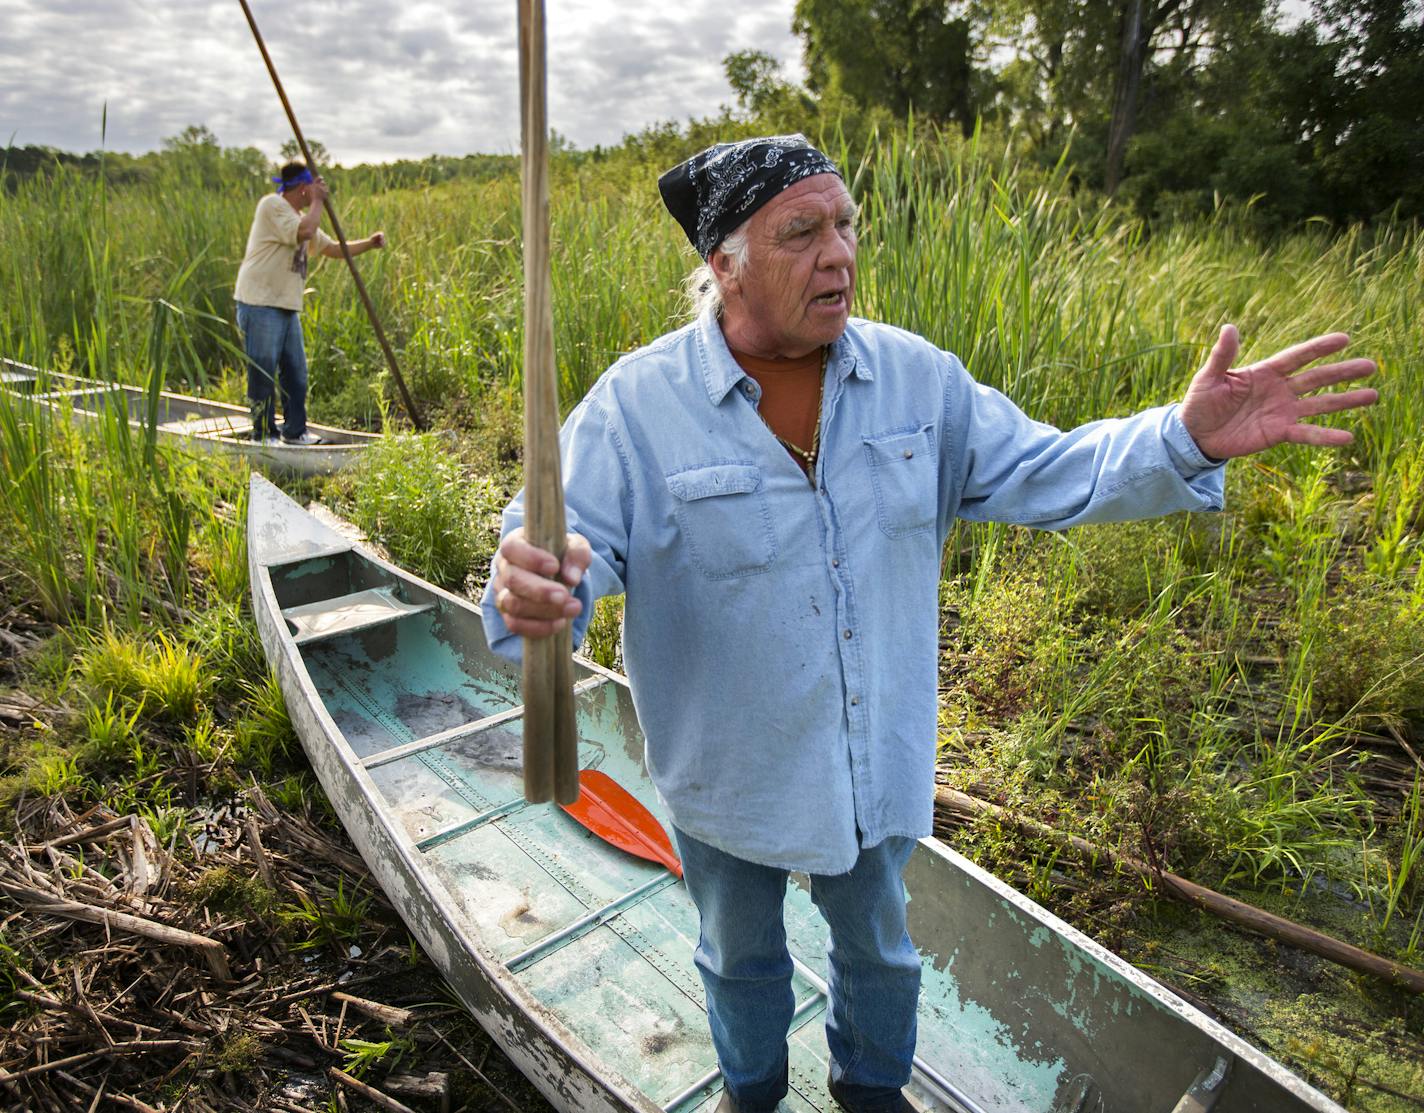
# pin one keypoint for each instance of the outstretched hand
(1236, 411)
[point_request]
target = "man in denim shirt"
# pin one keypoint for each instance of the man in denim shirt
(771, 486)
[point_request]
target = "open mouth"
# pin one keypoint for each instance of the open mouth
(831, 298)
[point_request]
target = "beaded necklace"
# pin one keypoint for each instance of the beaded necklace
(806, 457)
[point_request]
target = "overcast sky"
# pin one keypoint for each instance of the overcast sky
(371, 79)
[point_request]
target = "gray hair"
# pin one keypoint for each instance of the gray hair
(702, 289)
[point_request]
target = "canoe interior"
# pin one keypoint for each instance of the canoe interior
(1017, 1012)
(177, 414)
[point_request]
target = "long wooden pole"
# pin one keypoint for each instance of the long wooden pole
(406, 399)
(550, 738)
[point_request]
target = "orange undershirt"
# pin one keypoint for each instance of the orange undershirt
(790, 395)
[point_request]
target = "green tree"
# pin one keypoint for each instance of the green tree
(765, 95)
(197, 153)
(291, 150)
(1370, 135)
(1322, 119)
(901, 55)
(755, 76)
(1096, 68)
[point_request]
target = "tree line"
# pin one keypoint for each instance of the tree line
(1307, 110)
(1300, 109)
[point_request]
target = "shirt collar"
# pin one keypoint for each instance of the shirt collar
(721, 373)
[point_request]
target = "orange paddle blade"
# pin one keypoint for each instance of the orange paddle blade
(612, 813)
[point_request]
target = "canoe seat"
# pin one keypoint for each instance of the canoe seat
(219, 425)
(348, 613)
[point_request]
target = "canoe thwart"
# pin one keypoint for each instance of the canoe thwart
(464, 731)
(582, 926)
(75, 395)
(348, 613)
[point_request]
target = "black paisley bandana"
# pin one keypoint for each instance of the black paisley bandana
(712, 193)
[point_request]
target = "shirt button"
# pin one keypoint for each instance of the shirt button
(848, 635)
(835, 562)
(747, 387)
(855, 701)
(909, 453)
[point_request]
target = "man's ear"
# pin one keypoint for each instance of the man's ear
(721, 264)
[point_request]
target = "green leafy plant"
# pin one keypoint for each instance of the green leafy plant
(331, 922)
(363, 1056)
(414, 496)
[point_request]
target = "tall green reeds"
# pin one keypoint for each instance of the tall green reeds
(1225, 661)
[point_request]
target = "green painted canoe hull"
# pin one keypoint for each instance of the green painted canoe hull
(578, 958)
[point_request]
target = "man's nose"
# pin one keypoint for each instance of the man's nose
(836, 250)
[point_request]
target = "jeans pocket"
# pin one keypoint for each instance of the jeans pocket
(723, 513)
(904, 475)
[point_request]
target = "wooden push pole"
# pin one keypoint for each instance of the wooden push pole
(550, 738)
(406, 399)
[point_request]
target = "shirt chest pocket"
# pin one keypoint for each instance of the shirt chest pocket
(905, 480)
(725, 520)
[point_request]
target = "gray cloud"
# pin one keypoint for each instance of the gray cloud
(371, 79)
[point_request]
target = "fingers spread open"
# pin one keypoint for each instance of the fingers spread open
(1289, 359)
(1302, 433)
(1328, 374)
(1333, 403)
(1223, 352)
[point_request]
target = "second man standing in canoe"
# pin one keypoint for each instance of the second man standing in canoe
(771, 486)
(286, 229)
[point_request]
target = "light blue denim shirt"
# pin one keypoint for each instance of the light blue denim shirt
(782, 640)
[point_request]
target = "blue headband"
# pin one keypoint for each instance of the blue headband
(284, 184)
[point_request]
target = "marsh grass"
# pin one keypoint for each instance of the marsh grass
(1403, 879)
(1202, 690)
(415, 496)
(159, 676)
(263, 737)
(333, 920)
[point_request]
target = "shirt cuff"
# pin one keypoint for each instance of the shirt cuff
(511, 646)
(1189, 460)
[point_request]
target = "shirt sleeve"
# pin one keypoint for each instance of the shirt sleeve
(1004, 467)
(283, 220)
(597, 504)
(317, 245)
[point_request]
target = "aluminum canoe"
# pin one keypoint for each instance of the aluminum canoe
(578, 958)
(198, 423)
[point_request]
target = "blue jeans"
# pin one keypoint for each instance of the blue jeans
(746, 970)
(272, 339)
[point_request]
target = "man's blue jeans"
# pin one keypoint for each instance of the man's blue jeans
(746, 970)
(272, 339)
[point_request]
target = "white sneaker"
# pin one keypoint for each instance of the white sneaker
(306, 438)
